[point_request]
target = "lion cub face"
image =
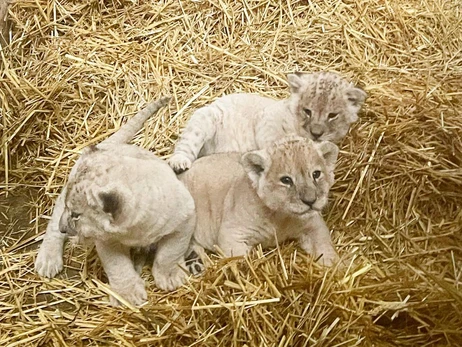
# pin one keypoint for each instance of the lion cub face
(325, 104)
(294, 175)
(88, 215)
(92, 204)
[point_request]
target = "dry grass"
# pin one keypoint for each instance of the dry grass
(74, 68)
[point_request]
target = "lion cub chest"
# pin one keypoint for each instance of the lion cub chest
(212, 183)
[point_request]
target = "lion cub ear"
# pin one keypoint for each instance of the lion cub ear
(355, 96)
(295, 81)
(111, 203)
(255, 163)
(329, 152)
(89, 149)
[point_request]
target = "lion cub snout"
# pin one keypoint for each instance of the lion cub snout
(309, 201)
(317, 130)
(309, 195)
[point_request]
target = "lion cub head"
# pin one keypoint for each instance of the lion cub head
(294, 175)
(325, 104)
(93, 204)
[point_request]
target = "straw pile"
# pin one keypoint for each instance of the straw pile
(74, 69)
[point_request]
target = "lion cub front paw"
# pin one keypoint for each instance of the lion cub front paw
(49, 261)
(169, 279)
(329, 257)
(133, 291)
(179, 163)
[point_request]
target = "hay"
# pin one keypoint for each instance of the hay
(74, 69)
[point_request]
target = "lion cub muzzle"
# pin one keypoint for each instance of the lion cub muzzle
(317, 130)
(308, 197)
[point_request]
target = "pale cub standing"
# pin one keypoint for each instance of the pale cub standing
(264, 197)
(121, 196)
(321, 107)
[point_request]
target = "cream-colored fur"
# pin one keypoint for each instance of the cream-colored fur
(124, 197)
(322, 106)
(156, 205)
(264, 197)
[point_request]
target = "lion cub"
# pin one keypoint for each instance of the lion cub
(264, 197)
(120, 197)
(321, 107)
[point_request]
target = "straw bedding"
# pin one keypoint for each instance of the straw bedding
(75, 69)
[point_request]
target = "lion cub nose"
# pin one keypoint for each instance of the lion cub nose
(316, 134)
(64, 227)
(309, 201)
(316, 131)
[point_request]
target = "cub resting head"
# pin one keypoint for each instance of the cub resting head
(264, 197)
(293, 176)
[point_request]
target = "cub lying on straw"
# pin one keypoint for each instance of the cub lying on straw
(264, 197)
(321, 107)
(121, 196)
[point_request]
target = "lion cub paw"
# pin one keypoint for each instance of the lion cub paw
(329, 258)
(194, 264)
(169, 280)
(133, 291)
(49, 261)
(179, 163)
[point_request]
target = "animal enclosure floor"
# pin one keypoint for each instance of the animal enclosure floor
(75, 70)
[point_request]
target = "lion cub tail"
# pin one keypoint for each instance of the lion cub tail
(129, 129)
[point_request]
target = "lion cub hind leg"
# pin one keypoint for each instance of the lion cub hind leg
(169, 267)
(123, 278)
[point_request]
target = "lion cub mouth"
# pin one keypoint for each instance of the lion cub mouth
(309, 210)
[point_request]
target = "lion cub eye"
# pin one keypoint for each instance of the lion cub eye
(316, 174)
(287, 181)
(307, 112)
(75, 215)
(332, 116)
